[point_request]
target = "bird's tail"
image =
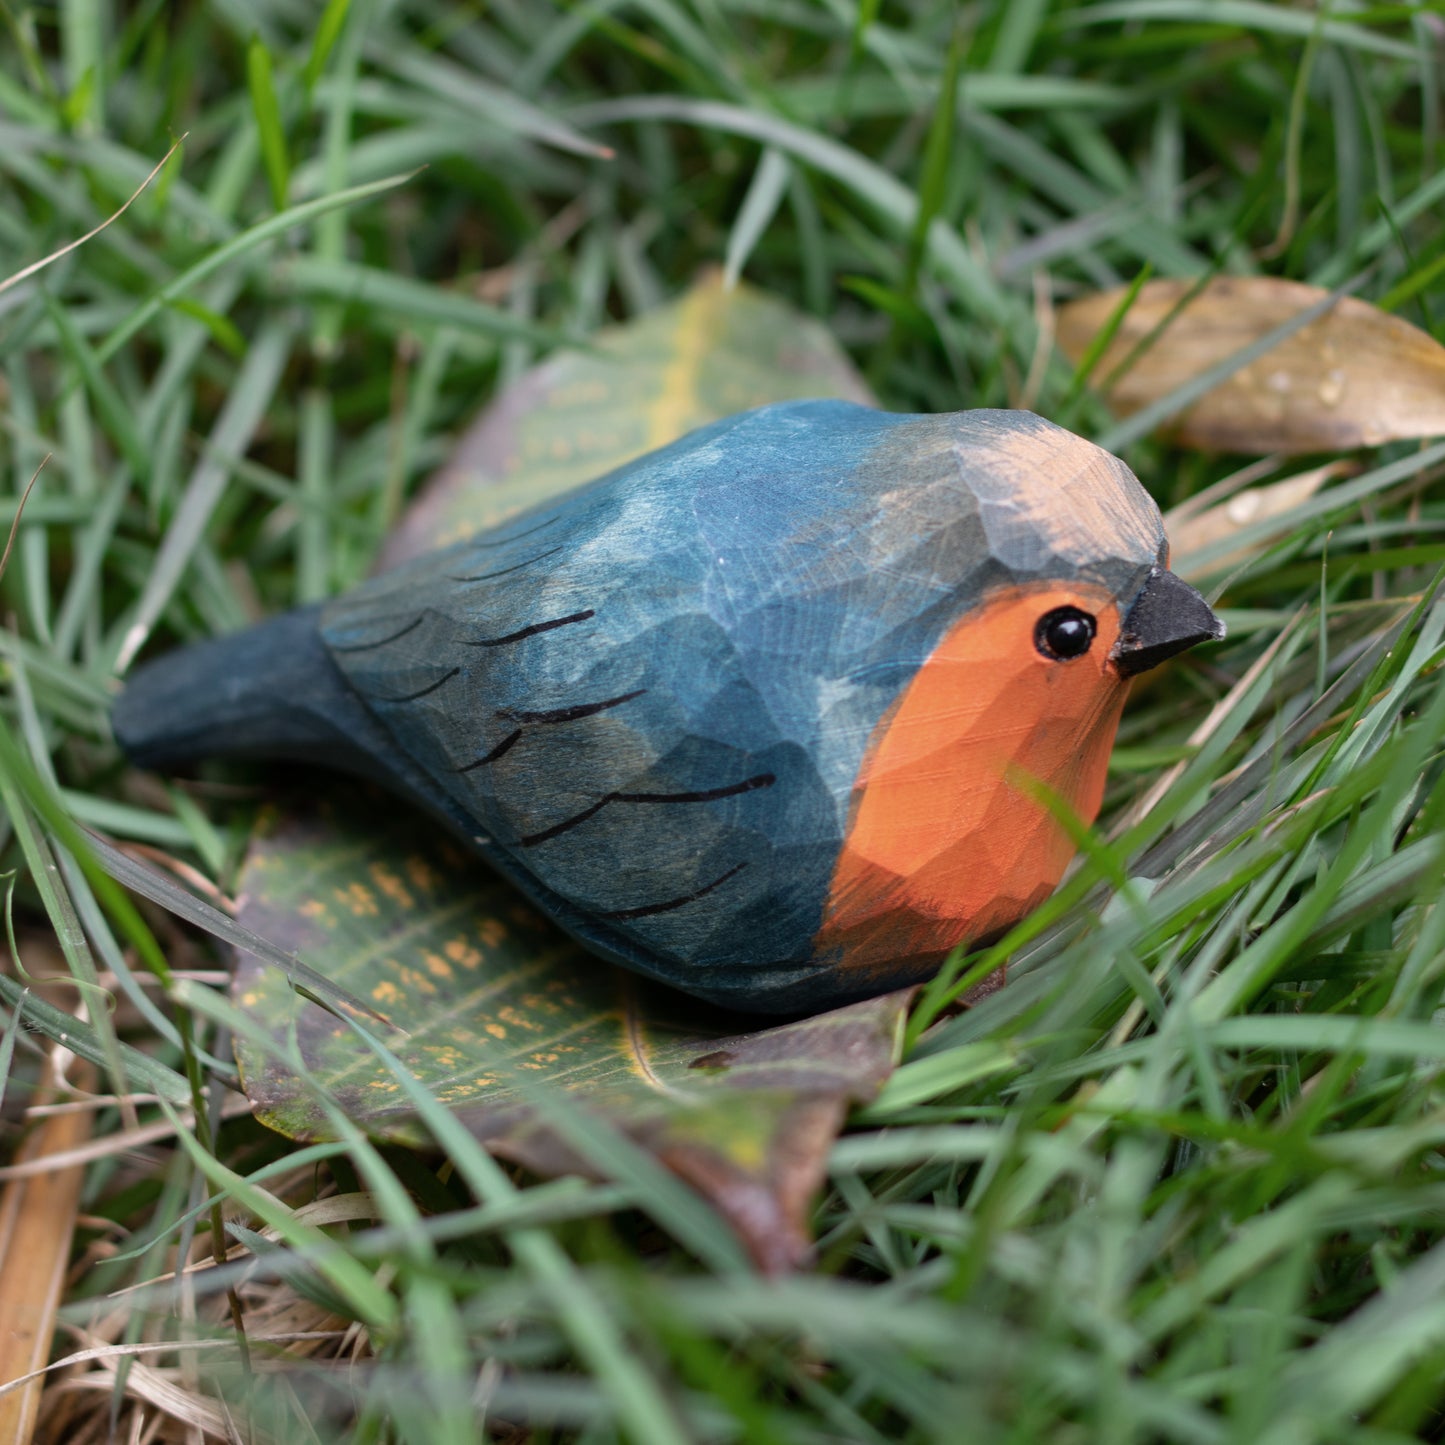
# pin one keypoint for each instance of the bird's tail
(271, 691)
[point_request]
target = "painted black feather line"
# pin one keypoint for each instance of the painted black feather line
(620, 915)
(522, 633)
(426, 691)
(383, 641)
(507, 571)
(555, 715)
(707, 795)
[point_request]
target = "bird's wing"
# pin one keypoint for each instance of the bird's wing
(593, 717)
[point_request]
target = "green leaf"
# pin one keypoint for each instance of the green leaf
(328, 30)
(365, 1298)
(82, 1039)
(81, 100)
(937, 159)
(234, 249)
(765, 192)
(268, 120)
(413, 302)
(226, 334)
(869, 182)
(242, 414)
(905, 311)
(491, 999)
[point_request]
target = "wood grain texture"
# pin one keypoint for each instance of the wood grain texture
(648, 703)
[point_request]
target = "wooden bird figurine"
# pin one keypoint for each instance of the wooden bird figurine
(760, 714)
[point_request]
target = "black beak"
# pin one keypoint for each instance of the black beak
(1167, 616)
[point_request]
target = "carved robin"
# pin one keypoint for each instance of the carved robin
(761, 714)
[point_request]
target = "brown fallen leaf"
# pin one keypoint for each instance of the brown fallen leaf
(1251, 518)
(1355, 377)
(37, 1222)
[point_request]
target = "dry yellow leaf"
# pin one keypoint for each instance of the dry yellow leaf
(37, 1221)
(1259, 514)
(1355, 377)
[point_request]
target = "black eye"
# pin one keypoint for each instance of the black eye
(1064, 633)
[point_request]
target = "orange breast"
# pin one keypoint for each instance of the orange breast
(946, 843)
